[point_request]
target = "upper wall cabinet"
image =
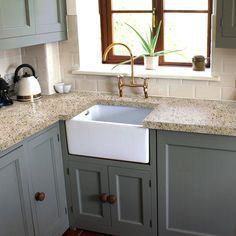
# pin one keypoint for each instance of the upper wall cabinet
(50, 16)
(16, 18)
(226, 24)
(30, 22)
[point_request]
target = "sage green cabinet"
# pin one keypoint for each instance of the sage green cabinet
(16, 18)
(32, 187)
(196, 179)
(131, 213)
(46, 177)
(50, 16)
(88, 182)
(226, 24)
(111, 199)
(30, 22)
(15, 211)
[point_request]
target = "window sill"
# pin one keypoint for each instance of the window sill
(163, 72)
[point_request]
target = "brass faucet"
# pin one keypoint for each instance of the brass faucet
(121, 82)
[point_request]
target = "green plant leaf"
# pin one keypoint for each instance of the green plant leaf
(127, 61)
(163, 52)
(145, 44)
(155, 39)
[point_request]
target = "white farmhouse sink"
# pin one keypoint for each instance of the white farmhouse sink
(111, 132)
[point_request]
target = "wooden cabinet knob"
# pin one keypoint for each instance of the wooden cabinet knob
(112, 199)
(39, 196)
(103, 197)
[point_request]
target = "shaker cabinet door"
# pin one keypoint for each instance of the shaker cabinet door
(131, 208)
(196, 184)
(50, 15)
(47, 184)
(226, 24)
(16, 18)
(88, 183)
(15, 217)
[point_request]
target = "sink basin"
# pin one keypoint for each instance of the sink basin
(111, 132)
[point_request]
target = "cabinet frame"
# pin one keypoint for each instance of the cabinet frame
(138, 167)
(225, 21)
(176, 177)
(36, 34)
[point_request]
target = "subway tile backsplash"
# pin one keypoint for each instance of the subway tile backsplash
(9, 60)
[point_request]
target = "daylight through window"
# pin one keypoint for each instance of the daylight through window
(186, 25)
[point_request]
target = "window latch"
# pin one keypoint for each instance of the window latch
(154, 18)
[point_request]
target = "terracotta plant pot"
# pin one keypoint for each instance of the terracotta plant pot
(150, 62)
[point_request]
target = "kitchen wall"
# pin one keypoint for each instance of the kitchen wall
(9, 60)
(54, 62)
(223, 65)
(44, 59)
(46, 62)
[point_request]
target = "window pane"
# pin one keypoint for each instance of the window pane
(131, 4)
(185, 31)
(185, 4)
(124, 34)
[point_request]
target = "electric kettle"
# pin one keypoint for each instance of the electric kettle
(27, 86)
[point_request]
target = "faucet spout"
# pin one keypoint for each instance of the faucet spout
(107, 50)
(121, 82)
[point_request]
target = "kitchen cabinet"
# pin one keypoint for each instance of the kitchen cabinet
(26, 23)
(114, 197)
(32, 196)
(15, 212)
(17, 18)
(50, 16)
(47, 186)
(226, 24)
(110, 196)
(196, 178)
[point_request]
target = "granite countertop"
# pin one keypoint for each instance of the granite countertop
(22, 120)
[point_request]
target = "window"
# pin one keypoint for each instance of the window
(186, 25)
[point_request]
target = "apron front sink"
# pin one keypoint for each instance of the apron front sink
(110, 132)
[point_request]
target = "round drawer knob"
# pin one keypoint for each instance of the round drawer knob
(103, 197)
(39, 196)
(112, 199)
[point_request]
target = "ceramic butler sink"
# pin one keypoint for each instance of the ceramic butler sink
(111, 132)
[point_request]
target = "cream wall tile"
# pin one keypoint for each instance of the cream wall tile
(71, 7)
(207, 92)
(228, 94)
(12, 52)
(227, 81)
(228, 66)
(9, 60)
(71, 81)
(195, 82)
(184, 91)
(108, 85)
(158, 89)
(86, 84)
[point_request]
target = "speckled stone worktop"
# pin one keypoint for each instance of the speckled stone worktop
(22, 120)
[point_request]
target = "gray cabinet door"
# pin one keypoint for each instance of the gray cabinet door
(50, 15)
(131, 213)
(88, 182)
(15, 217)
(16, 18)
(47, 176)
(196, 184)
(226, 24)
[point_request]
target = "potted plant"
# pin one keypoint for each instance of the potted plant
(149, 46)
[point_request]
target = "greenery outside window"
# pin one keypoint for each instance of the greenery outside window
(186, 25)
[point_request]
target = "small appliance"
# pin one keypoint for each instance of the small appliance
(4, 93)
(27, 86)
